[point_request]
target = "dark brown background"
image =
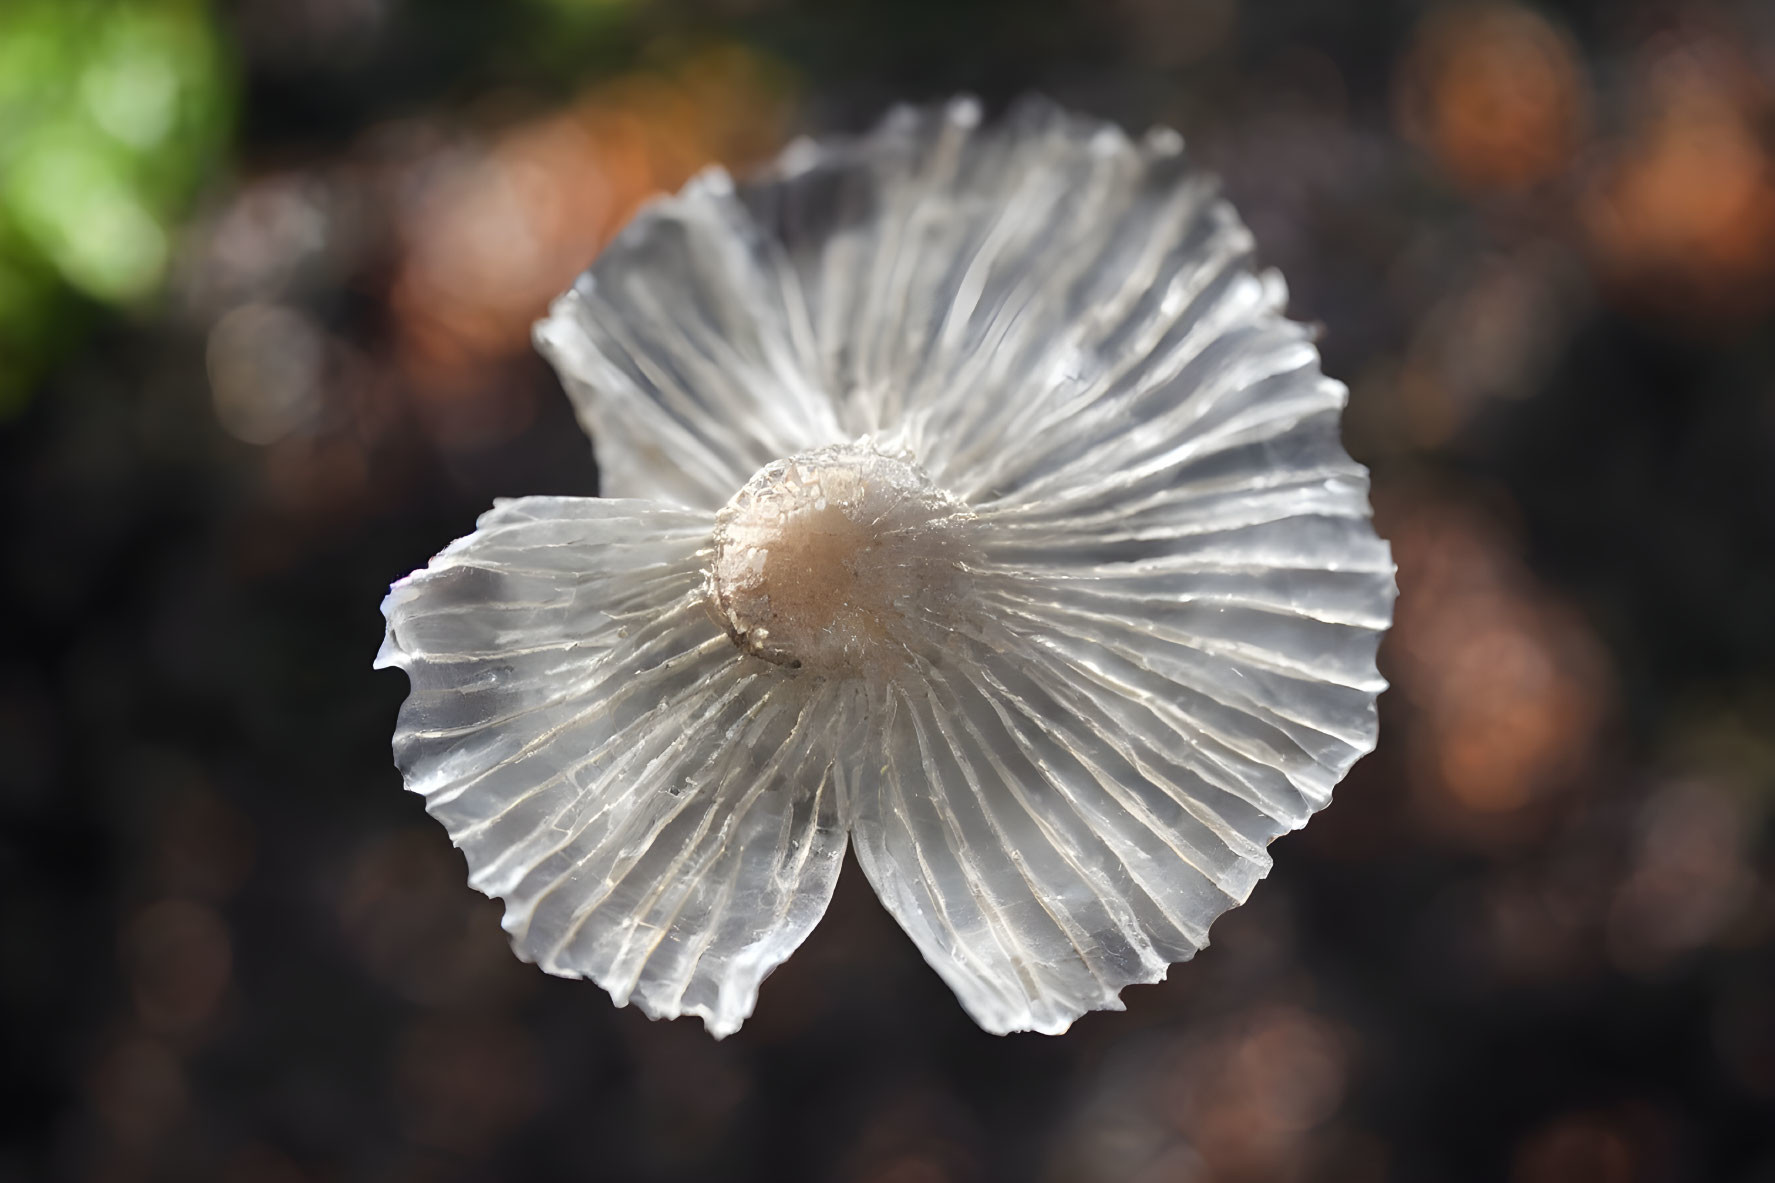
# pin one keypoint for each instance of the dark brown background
(1534, 937)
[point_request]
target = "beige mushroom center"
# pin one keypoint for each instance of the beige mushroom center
(836, 560)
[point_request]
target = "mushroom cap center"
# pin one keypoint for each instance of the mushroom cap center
(836, 559)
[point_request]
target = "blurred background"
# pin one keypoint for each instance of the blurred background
(266, 275)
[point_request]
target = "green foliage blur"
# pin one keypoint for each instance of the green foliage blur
(111, 114)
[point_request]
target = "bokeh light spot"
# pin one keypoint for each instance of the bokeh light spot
(266, 364)
(1495, 93)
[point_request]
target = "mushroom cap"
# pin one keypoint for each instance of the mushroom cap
(1009, 405)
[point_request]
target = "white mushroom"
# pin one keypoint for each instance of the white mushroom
(970, 500)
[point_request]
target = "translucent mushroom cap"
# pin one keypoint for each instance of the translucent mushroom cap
(969, 502)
